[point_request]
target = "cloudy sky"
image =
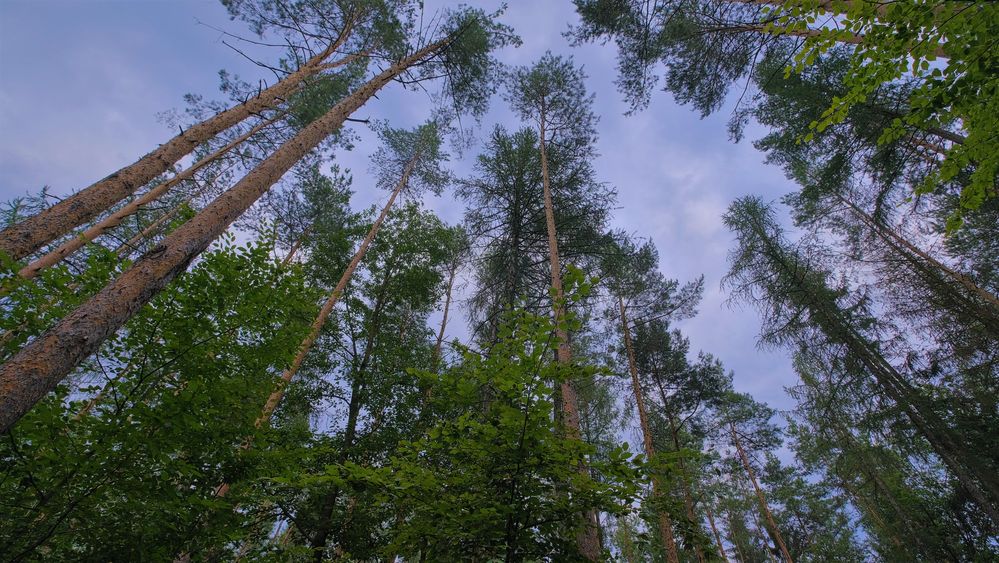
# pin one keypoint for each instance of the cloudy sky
(82, 82)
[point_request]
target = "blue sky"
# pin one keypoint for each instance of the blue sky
(82, 82)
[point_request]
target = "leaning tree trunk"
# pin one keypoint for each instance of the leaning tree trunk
(688, 497)
(714, 530)
(452, 273)
(965, 464)
(665, 524)
(76, 243)
(24, 238)
(324, 313)
(34, 371)
(764, 507)
(588, 539)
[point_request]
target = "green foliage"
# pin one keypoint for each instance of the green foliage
(480, 483)
(137, 445)
(420, 148)
(904, 39)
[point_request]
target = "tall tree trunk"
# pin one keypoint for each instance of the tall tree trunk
(324, 313)
(69, 247)
(899, 243)
(24, 238)
(688, 497)
(830, 319)
(27, 376)
(764, 507)
(452, 274)
(665, 525)
(588, 539)
(325, 527)
(714, 530)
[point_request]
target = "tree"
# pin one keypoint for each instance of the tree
(136, 444)
(479, 484)
(552, 93)
(340, 32)
(633, 275)
(797, 303)
(706, 46)
(26, 377)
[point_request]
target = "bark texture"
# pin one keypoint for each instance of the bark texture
(69, 247)
(34, 371)
(26, 237)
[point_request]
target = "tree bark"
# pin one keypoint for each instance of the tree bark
(24, 238)
(69, 247)
(34, 371)
(764, 507)
(665, 524)
(714, 530)
(588, 539)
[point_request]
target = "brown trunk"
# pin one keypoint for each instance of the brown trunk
(588, 539)
(324, 313)
(69, 247)
(759, 495)
(26, 377)
(24, 238)
(688, 498)
(665, 525)
(447, 306)
(714, 530)
(294, 247)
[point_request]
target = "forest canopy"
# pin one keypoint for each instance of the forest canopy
(414, 281)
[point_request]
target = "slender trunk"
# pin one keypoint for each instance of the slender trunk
(294, 247)
(24, 238)
(735, 541)
(945, 443)
(324, 313)
(26, 377)
(665, 525)
(763, 538)
(764, 507)
(898, 242)
(69, 247)
(588, 539)
(325, 527)
(688, 498)
(447, 306)
(714, 530)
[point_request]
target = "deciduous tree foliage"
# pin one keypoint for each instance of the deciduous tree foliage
(198, 404)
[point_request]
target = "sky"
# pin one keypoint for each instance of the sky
(82, 83)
